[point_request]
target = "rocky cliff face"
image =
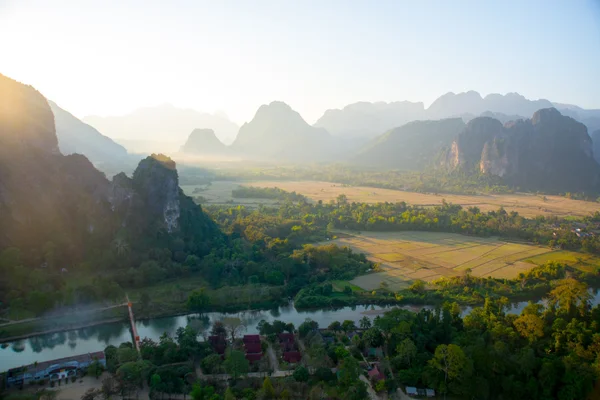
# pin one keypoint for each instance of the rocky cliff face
(46, 197)
(413, 146)
(156, 183)
(547, 152)
(596, 144)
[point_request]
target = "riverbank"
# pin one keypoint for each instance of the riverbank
(57, 330)
(57, 323)
(240, 300)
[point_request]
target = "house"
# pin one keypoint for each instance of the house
(53, 369)
(292, 357)
(287, 342)
(218, 343)
(253, 348)
(430, 392)
(375, 375)
(286, 338)
(352, 334)
(251, 339)
(412, 391)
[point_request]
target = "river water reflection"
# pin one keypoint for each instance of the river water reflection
(63, 344)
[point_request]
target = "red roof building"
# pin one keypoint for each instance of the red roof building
(251, 339)
(376, 375)
(253, 347)
(292, 357)
(286, 338)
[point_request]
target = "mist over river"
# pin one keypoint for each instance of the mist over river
(95, 338)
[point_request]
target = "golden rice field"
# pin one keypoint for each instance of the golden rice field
(528, 205)
(407, 256)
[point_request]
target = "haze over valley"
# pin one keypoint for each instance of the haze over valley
(299, 200)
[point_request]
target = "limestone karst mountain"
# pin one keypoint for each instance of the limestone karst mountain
(279, 133)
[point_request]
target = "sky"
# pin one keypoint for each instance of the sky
(111, 57)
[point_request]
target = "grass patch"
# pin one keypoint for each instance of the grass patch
(339, 286)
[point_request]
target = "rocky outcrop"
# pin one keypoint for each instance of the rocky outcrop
(413, 146)
(279, 133)
(156, 182)
(549, 152)
(466, 151)
(49, 200)
(204, 142)
(595, 136)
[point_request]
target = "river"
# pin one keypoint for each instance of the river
(96, 338)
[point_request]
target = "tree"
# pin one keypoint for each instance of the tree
(406, 351)
(348, 326)
(268, 390)
(228, 394)
(134, 373)
(418, 286)
(307, 326)
(198, 301)
(155, 382)
(452, 361)
(301, 374)
(234, 326)
(530, 326)
(218, 329)
(95, 369)
(365, 322)
(349, 372)
(335, 326)
(347, 290)
(211, 364)
(569, 294)
(342, 199)
(373, 337)
(202, 393)
(236, 363)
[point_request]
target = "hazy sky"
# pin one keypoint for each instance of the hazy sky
(110, 57)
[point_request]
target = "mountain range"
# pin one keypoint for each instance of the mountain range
(163, 127)
(553, 150)
(372, 119)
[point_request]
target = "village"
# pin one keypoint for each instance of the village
(277, 351)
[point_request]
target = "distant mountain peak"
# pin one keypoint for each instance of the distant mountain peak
(278, 131)
(203, 141)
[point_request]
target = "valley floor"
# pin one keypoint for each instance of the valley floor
(527, 205)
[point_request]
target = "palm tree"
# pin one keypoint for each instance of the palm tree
(121, 246)
(365, 322)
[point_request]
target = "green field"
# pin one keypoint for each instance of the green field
(339, 286)
(407, 256)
